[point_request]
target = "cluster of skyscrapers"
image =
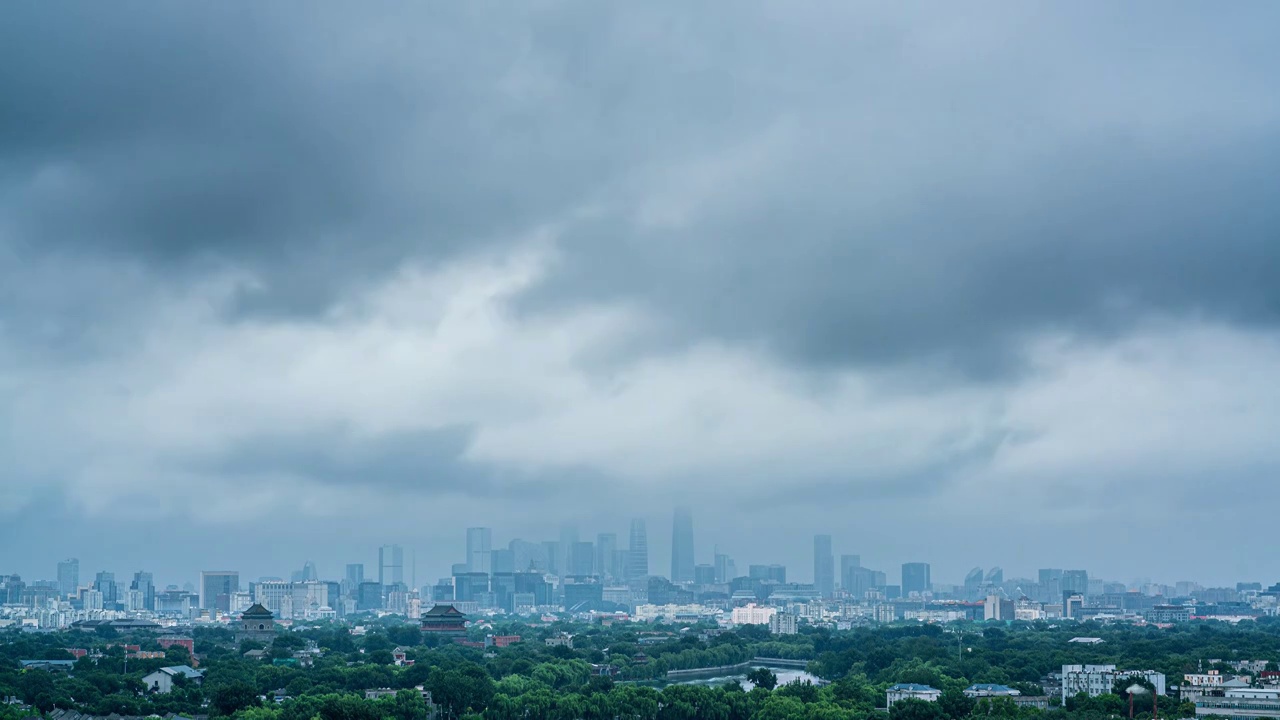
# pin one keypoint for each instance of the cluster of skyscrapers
(602, 574)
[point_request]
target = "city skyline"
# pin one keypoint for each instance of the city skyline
(477, 542)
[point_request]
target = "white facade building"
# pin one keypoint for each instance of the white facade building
(1240, 703)
(1209, 679)
(1095, 680)
(912, 691)
(784, 624)
(752, 614)
(292, 600)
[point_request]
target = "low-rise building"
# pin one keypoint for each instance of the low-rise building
(1239, 703)
(169, 641)
(1208, 679)
(560, 640)
(379, 693)
(1095, 680)
(990, 690)
(1039, 702)
(161, 681)
(1163, 614)
(912, 691)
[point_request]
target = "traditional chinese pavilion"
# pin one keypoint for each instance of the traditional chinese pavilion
(444, 621)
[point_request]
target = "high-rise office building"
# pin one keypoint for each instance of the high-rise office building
(390, 565)
(704, 574)
(369, 596)
(503, 561)
(568, 536)
(638, 551)
(143, 583)
(857, 580)
(217, 587)
(551, 550)
(528, 556)
(915, 578)
(847, 564)
(582, 558)
(726, 570)
(105, 583)
(68, 576)
(607, 555)
(1075, 582)
(480, 549)
(824, 566)
(1048, 575)
(355, 574)
(770, 573)
(309, 572)
(682, 546)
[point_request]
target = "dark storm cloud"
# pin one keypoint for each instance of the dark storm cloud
(426, 462)
(930, 197)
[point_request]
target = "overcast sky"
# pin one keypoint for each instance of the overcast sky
(980, 284)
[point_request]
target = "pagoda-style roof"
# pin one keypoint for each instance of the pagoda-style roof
(444, 611)
(257, 611)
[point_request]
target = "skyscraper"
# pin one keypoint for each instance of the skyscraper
(824, 566)
(638, 551)
(915, 578)
(143, 583)
(502, 560)
(355, 574)
(582, 558)
(568, 536)
(480, 549)
(726, 569)
(217, 587)
(1075, 582)
(309, 572)
(847, 564)
(551, 549)
(68, 576)
(105, 583)
(682, 546)
(1048, 575)
(607, 555)
(529, 555)
(390, 565)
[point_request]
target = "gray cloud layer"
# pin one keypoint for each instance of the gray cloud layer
(454, 265)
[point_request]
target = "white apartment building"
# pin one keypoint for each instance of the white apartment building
(292, 600)
(1209, 679)
(752, 614)
(784, 624)
(904, 691)
(1095, 680)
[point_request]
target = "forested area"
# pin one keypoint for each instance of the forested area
(610, 672)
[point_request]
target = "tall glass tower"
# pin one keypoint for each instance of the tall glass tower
(638, 551)
(824, 566)
(479, 549)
